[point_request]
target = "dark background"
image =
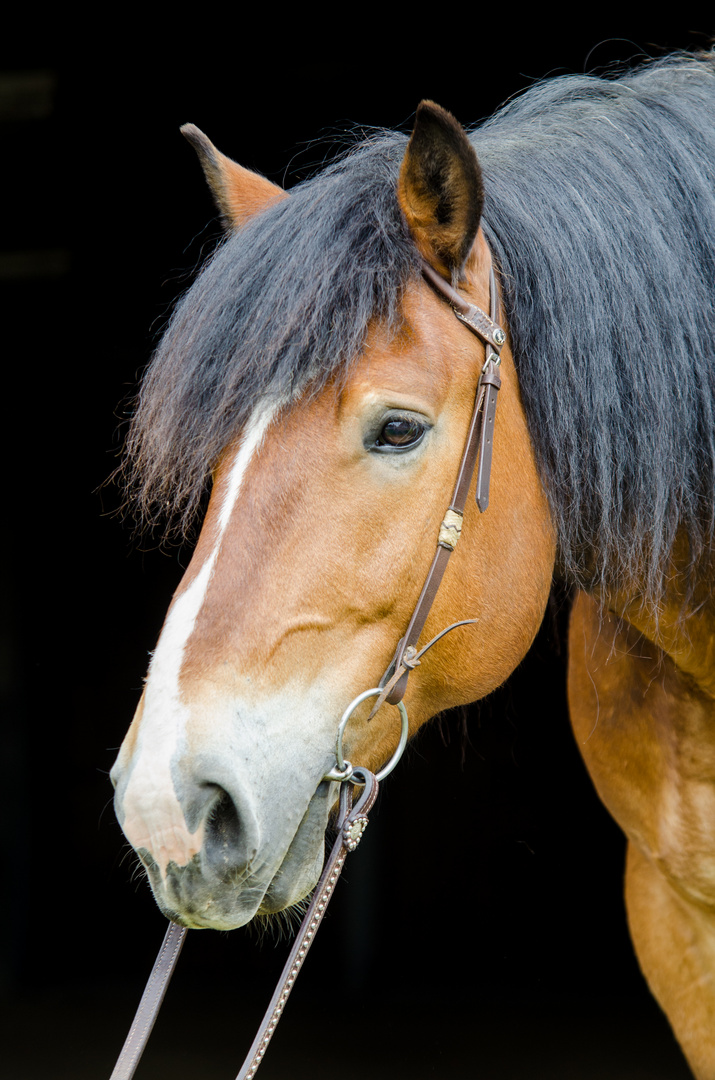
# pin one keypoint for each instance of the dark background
(481, 929)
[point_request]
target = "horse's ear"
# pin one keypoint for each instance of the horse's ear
(440, 189)
(238, 192)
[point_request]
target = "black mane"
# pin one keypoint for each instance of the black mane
(600, 210)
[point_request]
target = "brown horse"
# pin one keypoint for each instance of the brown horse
(334, 440)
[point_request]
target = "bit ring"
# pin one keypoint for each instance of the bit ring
(343, 770)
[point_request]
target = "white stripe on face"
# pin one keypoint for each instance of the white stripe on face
(153, 817)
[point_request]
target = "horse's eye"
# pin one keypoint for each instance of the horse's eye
(400, 433)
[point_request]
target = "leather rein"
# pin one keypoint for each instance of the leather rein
(352, 820)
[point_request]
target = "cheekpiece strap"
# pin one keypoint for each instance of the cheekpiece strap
(478, 446)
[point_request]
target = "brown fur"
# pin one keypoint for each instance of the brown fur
(283, 600)
(440, 189)
(238, 192)
(643, 712)
(327, 551)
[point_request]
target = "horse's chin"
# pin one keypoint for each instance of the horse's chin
(194, 896)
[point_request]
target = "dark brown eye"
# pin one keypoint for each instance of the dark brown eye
(400, 433)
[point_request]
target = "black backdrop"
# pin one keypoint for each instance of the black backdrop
(481, 930)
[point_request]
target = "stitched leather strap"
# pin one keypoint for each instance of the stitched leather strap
(351, 824)
(479, 445)
(490, 383)
(150, 1003)
(485, 326)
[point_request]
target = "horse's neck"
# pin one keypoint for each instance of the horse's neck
(683, 625)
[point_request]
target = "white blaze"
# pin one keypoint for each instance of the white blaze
(153, 816)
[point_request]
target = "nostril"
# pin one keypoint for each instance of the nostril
(225, 839)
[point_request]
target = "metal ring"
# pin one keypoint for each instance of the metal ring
(340, 775)
(343, 769)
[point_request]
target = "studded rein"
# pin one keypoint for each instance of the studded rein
(352, 820)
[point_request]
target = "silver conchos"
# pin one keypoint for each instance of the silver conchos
(352, 832)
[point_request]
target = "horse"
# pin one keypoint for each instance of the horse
(315, 379)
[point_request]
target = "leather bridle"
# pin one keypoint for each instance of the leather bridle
(352, 820)
(479, 446)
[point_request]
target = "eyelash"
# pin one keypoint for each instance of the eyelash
(411, 435)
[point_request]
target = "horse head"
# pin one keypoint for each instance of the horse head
(326, 504)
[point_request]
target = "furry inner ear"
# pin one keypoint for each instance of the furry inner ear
(238, 192)
(440, 189)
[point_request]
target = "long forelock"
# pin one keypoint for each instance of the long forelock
(283, 306)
